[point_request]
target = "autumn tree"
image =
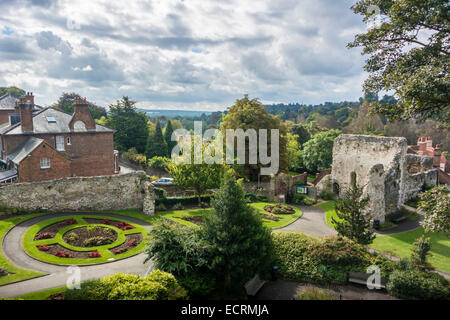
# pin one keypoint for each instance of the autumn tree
(251, 114)
(65, 103)
(408, 53)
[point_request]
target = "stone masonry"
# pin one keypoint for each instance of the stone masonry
(118, 192)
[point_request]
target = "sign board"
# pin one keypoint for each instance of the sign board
(303, 190)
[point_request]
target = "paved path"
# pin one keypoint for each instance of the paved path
(312, 222)
(404, 225)
(57, 275)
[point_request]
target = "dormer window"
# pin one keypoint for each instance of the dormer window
(51, 119)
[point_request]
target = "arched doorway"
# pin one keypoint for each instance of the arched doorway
(336, 189)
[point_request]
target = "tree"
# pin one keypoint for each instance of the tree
(301, 132)
(200, 177)
(156, 144)
(14, 91)
(352, 222)
(421, 248)
(240, 246)
(431, 129)
(168, 137)
(251, 114)
(65, 103)
(318, 151)
(409, 54)
(435, 205)
(294, 152)
(365, 123)
(131, 126)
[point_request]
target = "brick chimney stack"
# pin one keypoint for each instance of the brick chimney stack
(81, 113)
(26, 105)
(429, 142)
(422, 143)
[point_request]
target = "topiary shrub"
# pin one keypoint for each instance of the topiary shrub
(415, 284)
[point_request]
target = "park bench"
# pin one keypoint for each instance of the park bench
(254, 285)
(361, 278)
(398, 218)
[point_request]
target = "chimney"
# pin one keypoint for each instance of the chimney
(26, 105)
(429, 142)
(422, 143)
(81, 115)
(437, 156)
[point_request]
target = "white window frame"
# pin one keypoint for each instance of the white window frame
(60, 144)
(45, 163)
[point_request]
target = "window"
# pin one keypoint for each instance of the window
(51, 119)
(45, 163)
(60, 143)
(69, 141)
(14, 118)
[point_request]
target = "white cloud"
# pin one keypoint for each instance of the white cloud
(187, 54)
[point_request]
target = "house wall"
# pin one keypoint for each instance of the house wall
(4, 115)
(90, 153)
(30, 168)
(117, 192)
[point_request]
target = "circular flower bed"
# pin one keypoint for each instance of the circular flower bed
(83, 240)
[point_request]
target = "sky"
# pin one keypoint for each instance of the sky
(175, 54)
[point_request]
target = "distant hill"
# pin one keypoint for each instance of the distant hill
(172, 113)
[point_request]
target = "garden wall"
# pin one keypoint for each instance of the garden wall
(115, 192)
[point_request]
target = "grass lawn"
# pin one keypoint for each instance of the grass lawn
(17, 274)
(40, 295)
(284, 219)
(401, 244)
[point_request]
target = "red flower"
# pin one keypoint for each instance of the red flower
(94, 254)
(128, 228)
(43, 248)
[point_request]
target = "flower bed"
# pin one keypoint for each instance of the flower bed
(82, 240)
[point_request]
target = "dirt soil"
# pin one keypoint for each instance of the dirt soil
(136, 237)
(54, 248)
(54, 228)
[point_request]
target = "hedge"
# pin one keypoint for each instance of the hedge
(192, 200)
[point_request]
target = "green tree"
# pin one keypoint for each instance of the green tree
(409, 54)
(353, 222)
(168, 137)
(65, 103)
(251, 114)
(318, 151)
(200, 177)
(301, 132)
(435, 205)
(156, 144)
(131, 126)
(421, 249)
(294, 152)
(16, 92)
(240, 246)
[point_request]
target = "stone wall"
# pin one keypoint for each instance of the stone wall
(383, 168)
(115, 192)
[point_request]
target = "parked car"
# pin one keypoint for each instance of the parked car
(166, 181)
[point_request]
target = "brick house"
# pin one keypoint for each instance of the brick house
(51, 144)
(9, 109)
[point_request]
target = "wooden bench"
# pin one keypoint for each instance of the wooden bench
(254, 285)
(361, 278)
(398, 219)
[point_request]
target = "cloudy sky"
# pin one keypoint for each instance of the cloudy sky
(191, 54)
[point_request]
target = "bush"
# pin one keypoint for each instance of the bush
(312, 293)
(415, 284)
(178, 206)
(185, 201)
(160, 193)
(327, 195)
(43, 248)
(157, 285)
(303, 200)
(199, 286)
(94, 254)
(96, 241)
(303, 258)
(158, 162)
(279, 209)
(136, 158)
(161, 207)
(72, 237)
(45, 235)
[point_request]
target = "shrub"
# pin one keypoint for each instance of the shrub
(415, 284)
(45, 235)
(136, 158)
(420, 251)
(97, 241)
(94, 254)
(158, 162)
(192, 200)
(119, 250)
(178, 206)
(160, 193)
(63, 254)
(312, 293)
(327, 195)
(72, 237)
(157, 285)
(69, 222)
(161, 207)
(43, 248)
(199, 286)
(279, 209)
(303, 200)
(204, 204)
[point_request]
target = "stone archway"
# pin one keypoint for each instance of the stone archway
(336, 188)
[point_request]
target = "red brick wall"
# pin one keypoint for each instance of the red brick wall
(4, 115)
(91, 154)
(30, 168)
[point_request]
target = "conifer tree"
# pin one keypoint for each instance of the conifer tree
(168, 137)
(156, 145)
